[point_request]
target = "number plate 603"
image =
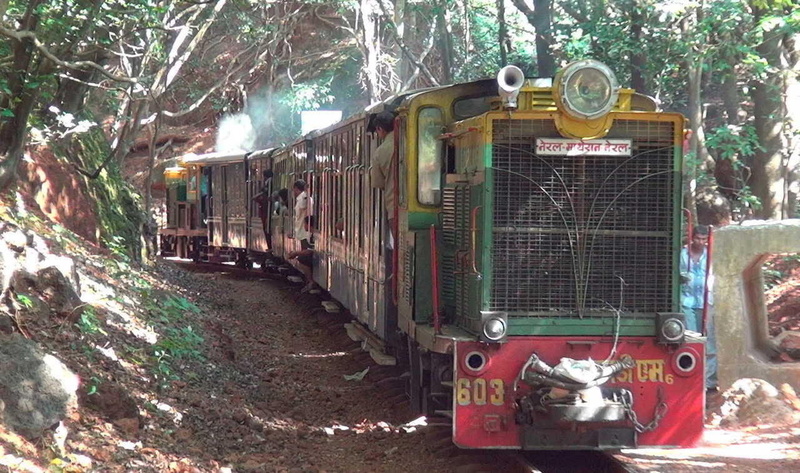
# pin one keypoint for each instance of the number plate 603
(479, 391)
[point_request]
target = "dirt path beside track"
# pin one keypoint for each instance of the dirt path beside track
(282, 402)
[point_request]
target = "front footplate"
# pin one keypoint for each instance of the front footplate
(610, 412)
(533, 438)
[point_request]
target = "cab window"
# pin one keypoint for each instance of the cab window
(429, 149)
(471, 107)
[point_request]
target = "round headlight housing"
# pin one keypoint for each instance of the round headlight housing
(494, 328)
(672, 330)
(587, 89)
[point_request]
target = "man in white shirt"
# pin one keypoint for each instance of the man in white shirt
(303, 207)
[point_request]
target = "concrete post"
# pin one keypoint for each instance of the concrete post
(744, 347)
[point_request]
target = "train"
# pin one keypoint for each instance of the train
(529, 286)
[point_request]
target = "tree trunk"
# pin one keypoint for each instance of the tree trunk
(403, 69)
(71, 93)
(730, 98)
(502, 32)
(148, 251)
(372, 49)
(543, 21)
(768, 178)
(541, 18)
(697, 143)
(638, 58)
(445, 43)
(13, 131)
(791, 44)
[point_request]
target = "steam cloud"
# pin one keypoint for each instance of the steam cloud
(236, 134)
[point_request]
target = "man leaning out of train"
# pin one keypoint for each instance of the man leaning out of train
(382, 170)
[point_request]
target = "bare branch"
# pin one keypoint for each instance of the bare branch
(422, 56)
(77, 65)
(401, 44)
(234, 66)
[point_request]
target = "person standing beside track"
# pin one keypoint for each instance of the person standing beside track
(695, 282)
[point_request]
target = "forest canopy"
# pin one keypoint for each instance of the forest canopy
(134, 68)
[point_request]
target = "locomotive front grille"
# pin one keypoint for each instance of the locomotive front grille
(582, 235)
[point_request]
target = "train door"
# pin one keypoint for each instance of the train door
(216, 207)
(223, 182)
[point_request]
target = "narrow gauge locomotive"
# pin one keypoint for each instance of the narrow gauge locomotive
(534, 289)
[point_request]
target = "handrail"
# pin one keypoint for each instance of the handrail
(473, 219)
(689, 235)
(709, 250)
(395, 223)
(437, 328)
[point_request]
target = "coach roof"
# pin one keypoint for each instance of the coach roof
(213, 158)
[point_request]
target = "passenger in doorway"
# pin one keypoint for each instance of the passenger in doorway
(303, 207)
(280, 202)
(338, 229)
(383, 169)
(695, 282)
(263, 200)
(305, 257)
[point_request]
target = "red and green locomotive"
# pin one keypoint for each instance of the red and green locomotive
(533, 284)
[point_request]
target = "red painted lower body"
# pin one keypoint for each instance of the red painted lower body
(484, 401)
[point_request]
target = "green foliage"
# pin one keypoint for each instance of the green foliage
(749, 200)
(178, 342)
(777, 271)
(118, 205)
(180, 304)
(93, 385)
(170, 310)
(89, 323)
(25, 301)
(63, 235)
(734, 142)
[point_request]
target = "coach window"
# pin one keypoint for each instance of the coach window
(429, 171)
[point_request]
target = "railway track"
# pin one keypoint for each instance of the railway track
(575, 461)
(392, 383)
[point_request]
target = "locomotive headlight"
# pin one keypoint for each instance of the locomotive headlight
(494, 329)
(586, 89)
(494, 326)
(671, 328)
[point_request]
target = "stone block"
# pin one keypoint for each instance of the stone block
(744, 348)
(36, 388)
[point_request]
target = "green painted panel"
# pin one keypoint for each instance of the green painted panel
(422, 220)
(556, 326)
(423, 300)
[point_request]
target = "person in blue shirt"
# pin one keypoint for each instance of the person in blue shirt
(694, 282)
